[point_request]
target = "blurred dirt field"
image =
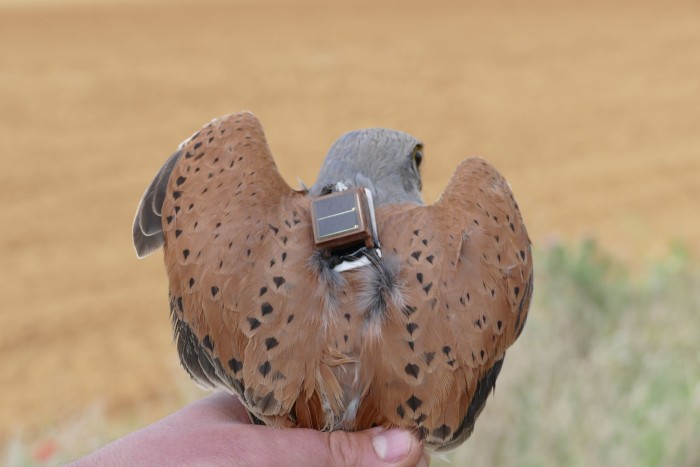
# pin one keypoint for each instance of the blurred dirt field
(591, 110)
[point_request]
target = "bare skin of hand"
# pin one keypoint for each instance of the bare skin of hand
(216, 430)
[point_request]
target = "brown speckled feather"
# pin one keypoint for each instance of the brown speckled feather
(467, 282)
(415, 340)
(237, 243)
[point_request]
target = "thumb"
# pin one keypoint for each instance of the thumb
(377, 447)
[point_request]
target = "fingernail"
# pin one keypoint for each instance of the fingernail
(392, 445)
(424, 462)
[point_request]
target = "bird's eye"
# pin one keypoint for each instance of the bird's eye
(418, 158)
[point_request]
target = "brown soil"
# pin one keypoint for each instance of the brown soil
(591, 111)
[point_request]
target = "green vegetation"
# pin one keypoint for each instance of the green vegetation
(607, 372)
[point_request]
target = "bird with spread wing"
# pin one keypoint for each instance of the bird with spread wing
(406, 327)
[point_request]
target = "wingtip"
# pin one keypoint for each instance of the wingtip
(139, 253)
(144, 244)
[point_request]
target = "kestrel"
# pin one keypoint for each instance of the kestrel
(350, 304)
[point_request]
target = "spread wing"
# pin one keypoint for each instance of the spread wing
(467, 283)
(237, 241)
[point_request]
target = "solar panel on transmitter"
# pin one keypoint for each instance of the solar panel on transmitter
(336, 215)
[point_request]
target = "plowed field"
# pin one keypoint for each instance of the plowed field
(592, 111)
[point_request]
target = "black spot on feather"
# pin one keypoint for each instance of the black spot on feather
(400, 411)
(442, 432)
(254, 323)
(412, 370)
(414, 403)
(235, 365)
(265, 368)
(208, 342)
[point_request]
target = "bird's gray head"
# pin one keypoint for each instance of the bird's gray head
(385, 161)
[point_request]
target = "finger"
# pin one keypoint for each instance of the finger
(300, 447)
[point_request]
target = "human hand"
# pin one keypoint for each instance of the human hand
(216, 430)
